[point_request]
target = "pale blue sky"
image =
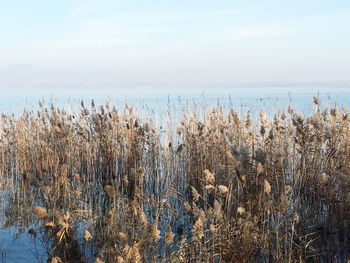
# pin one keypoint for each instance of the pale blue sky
(97, 42)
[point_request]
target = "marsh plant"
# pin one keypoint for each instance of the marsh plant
(102, 185)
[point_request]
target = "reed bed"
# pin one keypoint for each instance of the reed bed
(102, 185)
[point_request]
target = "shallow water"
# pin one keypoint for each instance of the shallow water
(16, 245)
(157, 99)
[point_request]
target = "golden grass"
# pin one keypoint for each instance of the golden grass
(103, 185)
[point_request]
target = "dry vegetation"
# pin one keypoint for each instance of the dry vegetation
(106, 186)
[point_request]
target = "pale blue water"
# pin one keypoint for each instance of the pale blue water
(158, 98)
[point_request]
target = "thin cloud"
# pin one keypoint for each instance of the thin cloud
(257, 32)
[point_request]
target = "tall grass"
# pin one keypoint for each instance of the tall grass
(108, 186)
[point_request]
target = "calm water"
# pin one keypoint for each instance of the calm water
(156, 100)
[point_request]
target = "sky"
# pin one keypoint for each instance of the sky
(89, 43)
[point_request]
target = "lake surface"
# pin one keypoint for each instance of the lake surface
(153, 101)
